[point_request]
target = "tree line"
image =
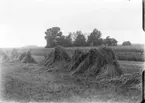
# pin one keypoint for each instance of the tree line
(54, 36)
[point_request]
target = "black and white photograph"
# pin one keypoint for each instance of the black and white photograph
(72, 51)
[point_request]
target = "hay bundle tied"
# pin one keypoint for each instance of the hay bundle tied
(133, 80)
(14, 55)
(77, 53)
(77, 58)
(27, 58)
(4, 57)
(59, 54)
(22, 55)
(100, 62)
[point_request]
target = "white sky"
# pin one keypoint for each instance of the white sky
(23, 22)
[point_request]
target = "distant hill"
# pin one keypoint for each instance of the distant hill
(30, 46)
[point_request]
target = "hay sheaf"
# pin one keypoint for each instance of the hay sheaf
(132, 80)
(21, 56)
(76, 59)
(14, 55)
(124, 81)
(10, 56)
(100, 62)
(77, 53)
(4, 57)
(26, 57)
(59, 54)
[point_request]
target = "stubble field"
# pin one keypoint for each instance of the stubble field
(38, 83)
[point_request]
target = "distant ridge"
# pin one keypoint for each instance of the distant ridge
(30, 46)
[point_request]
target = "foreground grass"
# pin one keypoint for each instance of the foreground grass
(32, 82)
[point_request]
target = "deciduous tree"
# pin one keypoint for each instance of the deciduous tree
(51, 35)
(80, 39)
(95, 38)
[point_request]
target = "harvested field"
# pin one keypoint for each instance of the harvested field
(25, 82)
(128, 53)
(37, 84)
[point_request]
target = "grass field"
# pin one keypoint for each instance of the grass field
(34, 82)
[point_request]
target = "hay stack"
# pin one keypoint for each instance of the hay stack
(77, 58)
(22, 55)
(14, 55)
(100, 62)
(27, 58)
(77, 53)
(59, 54)
(9, 56)
(4, 57)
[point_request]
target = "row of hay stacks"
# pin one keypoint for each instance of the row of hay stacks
(26, 57)
(14, 55)
(4, 57)
(101, 61)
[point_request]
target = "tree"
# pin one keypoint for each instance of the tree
(126, 43)
(95, 38)
(69, 40)
(110, 41)
(51, 35)
(61, 40)
(114, 42)
(65, 41)
(80, 39)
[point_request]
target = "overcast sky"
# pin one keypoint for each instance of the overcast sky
(23, 22)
